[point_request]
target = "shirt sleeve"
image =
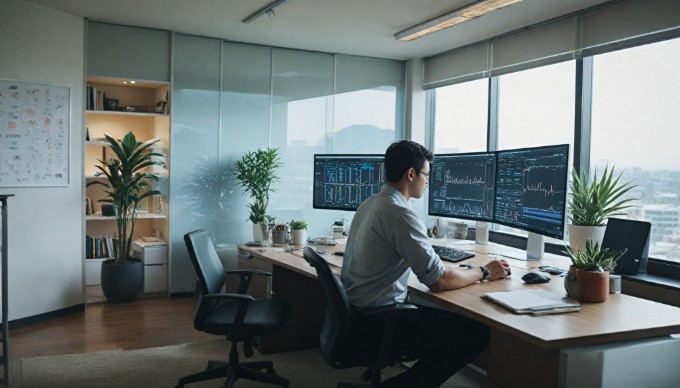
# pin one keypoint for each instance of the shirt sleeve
(413, 245)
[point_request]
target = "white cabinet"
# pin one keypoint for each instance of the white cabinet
(155, 259)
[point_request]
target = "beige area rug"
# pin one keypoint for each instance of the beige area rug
(161, 367)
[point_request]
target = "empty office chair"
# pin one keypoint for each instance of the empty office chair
(239, 317)
(338, 348)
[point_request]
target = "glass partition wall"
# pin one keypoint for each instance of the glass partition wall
(239, 98)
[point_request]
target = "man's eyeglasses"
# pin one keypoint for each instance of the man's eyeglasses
(427, 174)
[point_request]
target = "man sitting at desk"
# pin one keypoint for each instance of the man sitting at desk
(387, 239)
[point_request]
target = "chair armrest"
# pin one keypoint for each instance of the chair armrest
(396, 312)
(248, 271)
(246, 275)
(392, 316)
(229, 296)
(243, 302)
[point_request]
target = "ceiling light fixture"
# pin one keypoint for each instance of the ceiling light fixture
(451, 18)
(267, 9)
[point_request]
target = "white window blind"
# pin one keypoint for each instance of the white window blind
(601, 29)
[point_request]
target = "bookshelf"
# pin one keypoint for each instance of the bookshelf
(140, 107)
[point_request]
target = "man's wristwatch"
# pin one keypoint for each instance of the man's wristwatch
(485, 272)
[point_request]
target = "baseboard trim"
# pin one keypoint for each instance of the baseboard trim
(17, 323)
(181, 294)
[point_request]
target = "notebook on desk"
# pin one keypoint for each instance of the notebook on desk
(536, 302)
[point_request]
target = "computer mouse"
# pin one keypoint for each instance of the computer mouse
(535, 278)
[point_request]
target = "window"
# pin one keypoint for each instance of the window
(536, 108)
(460, 120)
(635, 116)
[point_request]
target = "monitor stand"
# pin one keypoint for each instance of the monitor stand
(535, 246)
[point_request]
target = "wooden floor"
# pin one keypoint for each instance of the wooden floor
(143, 323)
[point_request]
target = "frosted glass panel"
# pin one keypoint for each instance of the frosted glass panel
(367, 99)
(245, 119)
(197, 182)
(301, 118)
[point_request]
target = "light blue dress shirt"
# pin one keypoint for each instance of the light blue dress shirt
(386, 241)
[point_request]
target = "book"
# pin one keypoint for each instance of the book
(536, 302)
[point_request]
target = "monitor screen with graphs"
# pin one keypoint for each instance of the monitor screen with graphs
(531, 189)
(462, 186)
(343, 182)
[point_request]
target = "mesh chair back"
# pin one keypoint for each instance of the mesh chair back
(336, 323)
(208, 268)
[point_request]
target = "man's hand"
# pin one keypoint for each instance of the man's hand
(498, 269)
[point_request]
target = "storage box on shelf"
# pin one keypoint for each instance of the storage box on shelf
(116, 107)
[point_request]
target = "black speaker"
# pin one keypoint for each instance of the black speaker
(632, 235)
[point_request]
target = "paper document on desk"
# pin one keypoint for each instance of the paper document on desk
(536, 302)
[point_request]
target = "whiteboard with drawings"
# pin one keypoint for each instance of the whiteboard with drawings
(34, 134)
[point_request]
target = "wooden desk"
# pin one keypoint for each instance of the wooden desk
(524, 349)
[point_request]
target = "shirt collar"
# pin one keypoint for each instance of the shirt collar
(389, 190)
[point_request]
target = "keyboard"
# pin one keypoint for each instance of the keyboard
(450, 254)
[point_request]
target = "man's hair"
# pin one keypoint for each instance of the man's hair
(402, 155)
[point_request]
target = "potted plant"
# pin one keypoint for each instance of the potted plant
(298, 232)
(255, 172)
(592, 202)
(588, 277)
(128, 182)
(280, 234)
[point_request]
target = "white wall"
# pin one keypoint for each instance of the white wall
(39, 44)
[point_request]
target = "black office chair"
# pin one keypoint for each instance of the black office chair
(239, 317)
(337, 346)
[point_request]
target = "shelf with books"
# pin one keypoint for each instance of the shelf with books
(125, 96)
(115, 108)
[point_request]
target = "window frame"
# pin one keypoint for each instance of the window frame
(581, 151)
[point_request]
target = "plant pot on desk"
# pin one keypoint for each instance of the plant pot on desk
(298, 237)
(587, 286)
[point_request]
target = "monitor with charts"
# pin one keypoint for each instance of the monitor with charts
(531, 189)
(463, 186)
(343, 182)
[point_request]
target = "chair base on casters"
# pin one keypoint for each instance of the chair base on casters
(246, 370)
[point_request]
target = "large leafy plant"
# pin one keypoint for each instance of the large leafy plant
(595, 258)
(256, 171)
(128, 181)
(593, 202)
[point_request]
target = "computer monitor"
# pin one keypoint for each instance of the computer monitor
(462, 186)
(343, 182)
(531, 189)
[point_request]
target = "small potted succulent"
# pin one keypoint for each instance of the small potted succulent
(588, 277)
(298, 232)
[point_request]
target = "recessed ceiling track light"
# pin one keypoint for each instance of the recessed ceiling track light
(267, 9)
(451, 18)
